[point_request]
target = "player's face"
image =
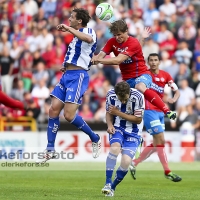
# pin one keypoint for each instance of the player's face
(121, 37)
(73, 22)
(124, 100)
(154, 62)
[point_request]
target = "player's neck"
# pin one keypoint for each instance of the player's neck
(154, 71)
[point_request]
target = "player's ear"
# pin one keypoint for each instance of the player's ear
(80, 21)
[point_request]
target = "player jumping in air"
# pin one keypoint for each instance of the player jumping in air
(125, 108)
(154, 118)
(69, 91)
(129, 57)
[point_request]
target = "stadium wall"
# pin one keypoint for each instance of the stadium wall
(76, 146)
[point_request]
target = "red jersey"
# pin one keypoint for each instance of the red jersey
(158, 83)
(134, 66)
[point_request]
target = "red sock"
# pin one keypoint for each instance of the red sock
(9, 102)
(163, 158)
(148, 150)
(154, 98)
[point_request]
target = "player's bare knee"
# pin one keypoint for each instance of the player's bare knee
(69, 116)
(115, 148)
(141, 87)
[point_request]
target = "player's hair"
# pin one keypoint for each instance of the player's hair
(118, 26)
(122, 89)
(153, 54)
(83, 15)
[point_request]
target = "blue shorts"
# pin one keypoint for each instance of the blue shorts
(154, 121)
(72, 86)
(129, 142)
(144, 78)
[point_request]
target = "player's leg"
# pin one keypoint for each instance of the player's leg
(150, 118)
(129, 148)
(57, 104)
(143, 83)
(159, 143)
(116, 140)
(76, 83)
(10, 102)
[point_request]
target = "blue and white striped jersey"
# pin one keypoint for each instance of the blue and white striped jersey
(79, 53)
(134, 106)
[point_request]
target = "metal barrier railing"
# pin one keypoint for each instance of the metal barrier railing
(6, 122)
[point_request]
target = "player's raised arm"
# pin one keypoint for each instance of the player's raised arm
(80, 35)
(145, 34)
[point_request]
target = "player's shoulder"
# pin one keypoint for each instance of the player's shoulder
(111, 93)
(132, 40)
(134, 93)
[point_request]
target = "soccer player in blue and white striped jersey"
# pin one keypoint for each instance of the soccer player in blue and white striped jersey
(125, 108)
(69, 91)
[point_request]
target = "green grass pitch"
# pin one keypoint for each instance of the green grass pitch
(84, 181)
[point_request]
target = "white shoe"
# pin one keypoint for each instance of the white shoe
(47, 155)
(106, 189)
(110, 194)
(96, 148)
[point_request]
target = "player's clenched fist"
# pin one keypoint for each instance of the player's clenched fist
(111, 129)
(62, 27)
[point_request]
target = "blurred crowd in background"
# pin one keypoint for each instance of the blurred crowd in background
(32, 51)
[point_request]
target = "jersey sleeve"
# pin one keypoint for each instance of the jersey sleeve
(133, 48)
(109, 99)
(90, 32)
(108, 47)
(139, 104)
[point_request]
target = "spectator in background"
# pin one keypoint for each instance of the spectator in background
(30, 7)
(188, 24)
(4, 43)
(173, 69)
(33, 40)
(100, 114)
(165, 61)
(33, 107)
(150, 14)
(49, 7)
(149, 47)
(41, 73)
(183, 54)
(183, 73)
(187, 97)
(18, 92)
(26, 69)
(168, 9)
(169, 45)
(6, 66)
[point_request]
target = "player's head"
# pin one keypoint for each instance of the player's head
(122, 90)
(119, 29)
(153, 61)
(79, 18)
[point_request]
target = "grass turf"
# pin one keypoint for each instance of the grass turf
(84, 181)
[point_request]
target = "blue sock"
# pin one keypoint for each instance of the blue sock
(52, 129)
(82, 125)
(110, 165)
(120, 174)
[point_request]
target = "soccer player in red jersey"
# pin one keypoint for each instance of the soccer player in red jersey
(154, 118)
(129, 57)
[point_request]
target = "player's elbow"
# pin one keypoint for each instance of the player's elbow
(89, 40)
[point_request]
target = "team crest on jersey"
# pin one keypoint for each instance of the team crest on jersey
(162, 79)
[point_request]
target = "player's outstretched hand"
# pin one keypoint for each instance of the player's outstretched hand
(95, 60)
(111, 129)
(146, 33)
(62, 27)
